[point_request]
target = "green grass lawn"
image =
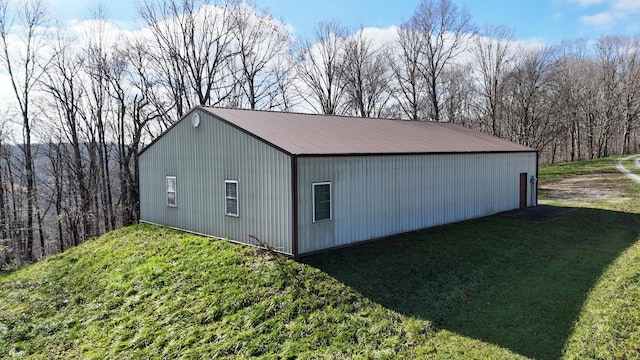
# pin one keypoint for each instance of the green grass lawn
(150, 292)
(557, 172)
(495, 287)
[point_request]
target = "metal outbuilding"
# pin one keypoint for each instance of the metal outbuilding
(304, 183)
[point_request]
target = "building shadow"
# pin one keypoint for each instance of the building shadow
(515, 283)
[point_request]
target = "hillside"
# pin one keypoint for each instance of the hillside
(149, 291)
(489, 288)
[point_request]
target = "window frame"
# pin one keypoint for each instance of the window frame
(313, 201)
(174, 192)
(228, 198)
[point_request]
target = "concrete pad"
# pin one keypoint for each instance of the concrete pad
(539, 213)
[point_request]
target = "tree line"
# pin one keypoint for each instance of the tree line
(86, 99)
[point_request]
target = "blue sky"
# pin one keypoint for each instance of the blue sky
(549, 21)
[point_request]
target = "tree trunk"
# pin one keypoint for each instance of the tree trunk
(31, 194)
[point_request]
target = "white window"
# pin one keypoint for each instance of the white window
(171, 191)
(231, 198)
(321, 201)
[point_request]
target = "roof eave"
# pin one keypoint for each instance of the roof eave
(416, 153)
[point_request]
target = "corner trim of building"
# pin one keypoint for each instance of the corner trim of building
(294, 206)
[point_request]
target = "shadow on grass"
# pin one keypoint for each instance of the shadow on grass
(4, 273)
(515, 283)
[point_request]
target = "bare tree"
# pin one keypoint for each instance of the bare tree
(135, 87)
(572, 78)
(410, 87)
(63, 85)
(286, 97)
(14, 200)
(492, 53)
(260, 41)
(532, 98)
(631, 95)
(366, 76)
(98, 58)
(192, 49)
(610, 56)
(8, 245)
(25, 65)
(457, 94)
(446, 30)
(318, 68)
(53, 161)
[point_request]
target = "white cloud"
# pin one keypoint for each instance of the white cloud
(606, 14)
(381, 36)
(599, 20)
(586, 3)
(626, 5)
(6, 91)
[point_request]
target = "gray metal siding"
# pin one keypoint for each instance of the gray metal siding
(376, 196)
(202, 159)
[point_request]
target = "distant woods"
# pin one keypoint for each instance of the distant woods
(86, 97)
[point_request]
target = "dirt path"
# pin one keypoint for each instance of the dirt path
(588, 188)
(580, 189)
(628, 172)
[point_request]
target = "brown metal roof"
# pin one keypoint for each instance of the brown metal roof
(305, 134)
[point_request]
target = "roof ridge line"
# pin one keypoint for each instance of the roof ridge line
(318, 114)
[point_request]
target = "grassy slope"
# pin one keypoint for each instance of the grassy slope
(146, 291)
(609, 322)
(488, 288)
